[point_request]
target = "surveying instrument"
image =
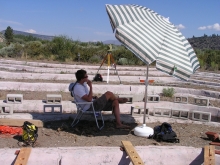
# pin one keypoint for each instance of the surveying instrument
(110, 59)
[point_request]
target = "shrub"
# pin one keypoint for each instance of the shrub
(7, 51)
(95, 59)
(18, 50)
(214, 65)
(123, 61)
(33, 48)
(2, 44)
(169, 92)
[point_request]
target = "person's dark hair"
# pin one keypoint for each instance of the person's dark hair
(80, 74)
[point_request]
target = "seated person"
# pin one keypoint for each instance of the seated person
(107, 102)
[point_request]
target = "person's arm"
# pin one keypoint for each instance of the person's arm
(89, 96)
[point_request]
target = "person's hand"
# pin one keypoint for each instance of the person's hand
(89, 83)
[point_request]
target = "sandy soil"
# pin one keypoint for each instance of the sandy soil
(60, 134)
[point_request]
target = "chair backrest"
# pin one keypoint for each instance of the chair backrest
(71, 88)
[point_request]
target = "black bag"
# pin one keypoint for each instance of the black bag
(165, 133)
(98, 77)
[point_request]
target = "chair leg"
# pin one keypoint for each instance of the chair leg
(103, 123)
(76, 121)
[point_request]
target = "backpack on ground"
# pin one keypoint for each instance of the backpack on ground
(29, 135)
(165, 133)
(98, 77)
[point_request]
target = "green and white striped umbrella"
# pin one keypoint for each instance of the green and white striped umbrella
(151, 37)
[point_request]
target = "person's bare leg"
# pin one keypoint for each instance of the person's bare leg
(116, 112)
(110, 96)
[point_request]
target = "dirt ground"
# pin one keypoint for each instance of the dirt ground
(60, 134)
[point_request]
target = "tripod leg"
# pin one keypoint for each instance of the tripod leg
(113, 61)
(102, 63)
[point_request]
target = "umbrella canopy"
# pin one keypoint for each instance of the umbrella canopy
(151, 37)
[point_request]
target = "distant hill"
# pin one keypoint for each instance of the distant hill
(43, 37)
(205, 42)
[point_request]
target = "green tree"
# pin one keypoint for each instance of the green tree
(9, 35)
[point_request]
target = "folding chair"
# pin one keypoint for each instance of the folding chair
(80, 113)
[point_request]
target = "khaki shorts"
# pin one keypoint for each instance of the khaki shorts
(101, 104)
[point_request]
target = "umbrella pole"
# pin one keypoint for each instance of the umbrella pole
(143, 130)
(145, 95)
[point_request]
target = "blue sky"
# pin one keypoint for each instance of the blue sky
(88, 21)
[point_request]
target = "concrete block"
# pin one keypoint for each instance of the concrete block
(133, 108)
(6, 109)
(153, 98)
(162, 112)
(180, 113)
(129, 97)
(54, 99)
(52, 108)
(14, 98)
(201, 116)
(201, 101)
(181, 99)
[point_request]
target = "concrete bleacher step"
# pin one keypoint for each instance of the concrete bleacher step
(140, 111)
(14, 98)
(153, 98)
(162, 112)
(181, 99)
(53, 108)
(54, 98)
(6, 109)
(201, 116)
(180, 113)
(201, 101)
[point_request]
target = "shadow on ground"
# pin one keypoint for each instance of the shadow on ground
(89, 128)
